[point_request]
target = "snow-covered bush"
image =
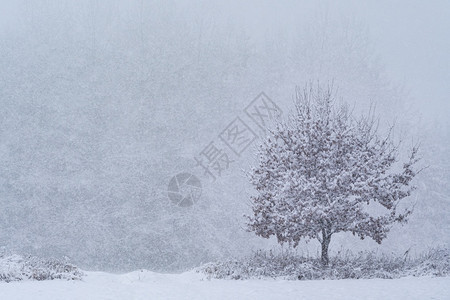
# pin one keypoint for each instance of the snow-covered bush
(435, 262)
(362, 265)
(16, 268)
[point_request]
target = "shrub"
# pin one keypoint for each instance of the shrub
(362, 265)
(17, 268)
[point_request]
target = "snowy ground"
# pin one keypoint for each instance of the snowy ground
(149, 285)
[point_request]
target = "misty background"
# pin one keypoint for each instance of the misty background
(103, 102)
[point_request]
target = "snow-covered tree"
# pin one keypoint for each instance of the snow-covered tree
(322, 172)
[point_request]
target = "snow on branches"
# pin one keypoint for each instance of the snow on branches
(317, 170)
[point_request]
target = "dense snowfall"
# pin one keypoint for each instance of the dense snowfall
(119, 146)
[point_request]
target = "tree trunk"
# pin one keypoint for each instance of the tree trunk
(326, 238)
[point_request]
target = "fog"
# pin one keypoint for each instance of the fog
(102, 103)
(412, 41)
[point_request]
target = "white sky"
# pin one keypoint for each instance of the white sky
(413, 40)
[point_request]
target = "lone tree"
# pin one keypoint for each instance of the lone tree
(319, 171)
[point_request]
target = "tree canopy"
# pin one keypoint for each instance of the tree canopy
(319, 170)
